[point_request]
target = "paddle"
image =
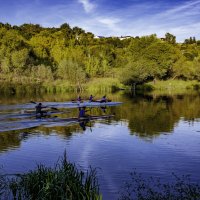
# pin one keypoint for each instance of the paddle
(53, 108)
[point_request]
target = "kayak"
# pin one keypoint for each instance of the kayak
(47, 122)
(81, 104)
(82, 101)
(55, 105)
(28, 114)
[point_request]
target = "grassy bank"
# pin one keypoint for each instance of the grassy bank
(66, 182)
(98, 85)
(104, 85)
(174, 85)
(59, 86)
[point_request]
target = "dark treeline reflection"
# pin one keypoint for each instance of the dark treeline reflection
(151, 115)
(147, 116)
(9, 140)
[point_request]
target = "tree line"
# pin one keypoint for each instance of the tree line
(33, 54)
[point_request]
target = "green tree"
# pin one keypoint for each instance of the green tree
(29, 30)
(170, 38)
(72, 71)
(19, 59)
(42, 73)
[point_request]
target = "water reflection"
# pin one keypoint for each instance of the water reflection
(151, 115)
(9, 140)
(147, 116)
(156, 134)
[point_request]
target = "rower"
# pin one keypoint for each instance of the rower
(91, 98)
(79, 98)
(103, 99)
(82, 112)
(39, 110)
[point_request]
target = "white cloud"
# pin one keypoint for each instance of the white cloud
(87, 5)
(110, 23)
(184, 7)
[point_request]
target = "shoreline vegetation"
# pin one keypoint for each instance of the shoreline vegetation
(100, 85)
(70, 59)
(66, 181)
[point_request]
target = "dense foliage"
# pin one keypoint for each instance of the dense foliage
(32, 54)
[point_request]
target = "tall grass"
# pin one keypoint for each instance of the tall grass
(104, 85)
(174, 85)
(60, 86)
(64, 181)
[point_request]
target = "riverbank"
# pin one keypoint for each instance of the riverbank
(59, 86)
(100, 85)
(169, 85)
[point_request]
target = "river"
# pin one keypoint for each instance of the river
(155, 135)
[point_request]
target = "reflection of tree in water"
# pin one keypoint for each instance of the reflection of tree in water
(9, 140)
(148, 119)
(149, 116)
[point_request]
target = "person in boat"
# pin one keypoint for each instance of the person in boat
(79, 98)
(103, 99)
(82, 112)
(39, 111)
(91, 98)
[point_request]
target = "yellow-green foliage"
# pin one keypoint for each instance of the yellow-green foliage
(174, 84)
(31, 54)
(104, 84)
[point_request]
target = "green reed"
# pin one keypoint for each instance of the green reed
(63, 181)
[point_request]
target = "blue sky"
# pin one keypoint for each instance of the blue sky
(109, 17)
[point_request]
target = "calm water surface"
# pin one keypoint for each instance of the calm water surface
(152, 134)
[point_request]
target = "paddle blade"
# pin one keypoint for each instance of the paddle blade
(33, 102)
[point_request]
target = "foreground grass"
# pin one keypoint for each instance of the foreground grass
(64, 181)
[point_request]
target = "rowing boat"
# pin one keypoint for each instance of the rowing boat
(27, 115)
(54, 105)
(93, 101)
(47, 122)
(81, 104)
